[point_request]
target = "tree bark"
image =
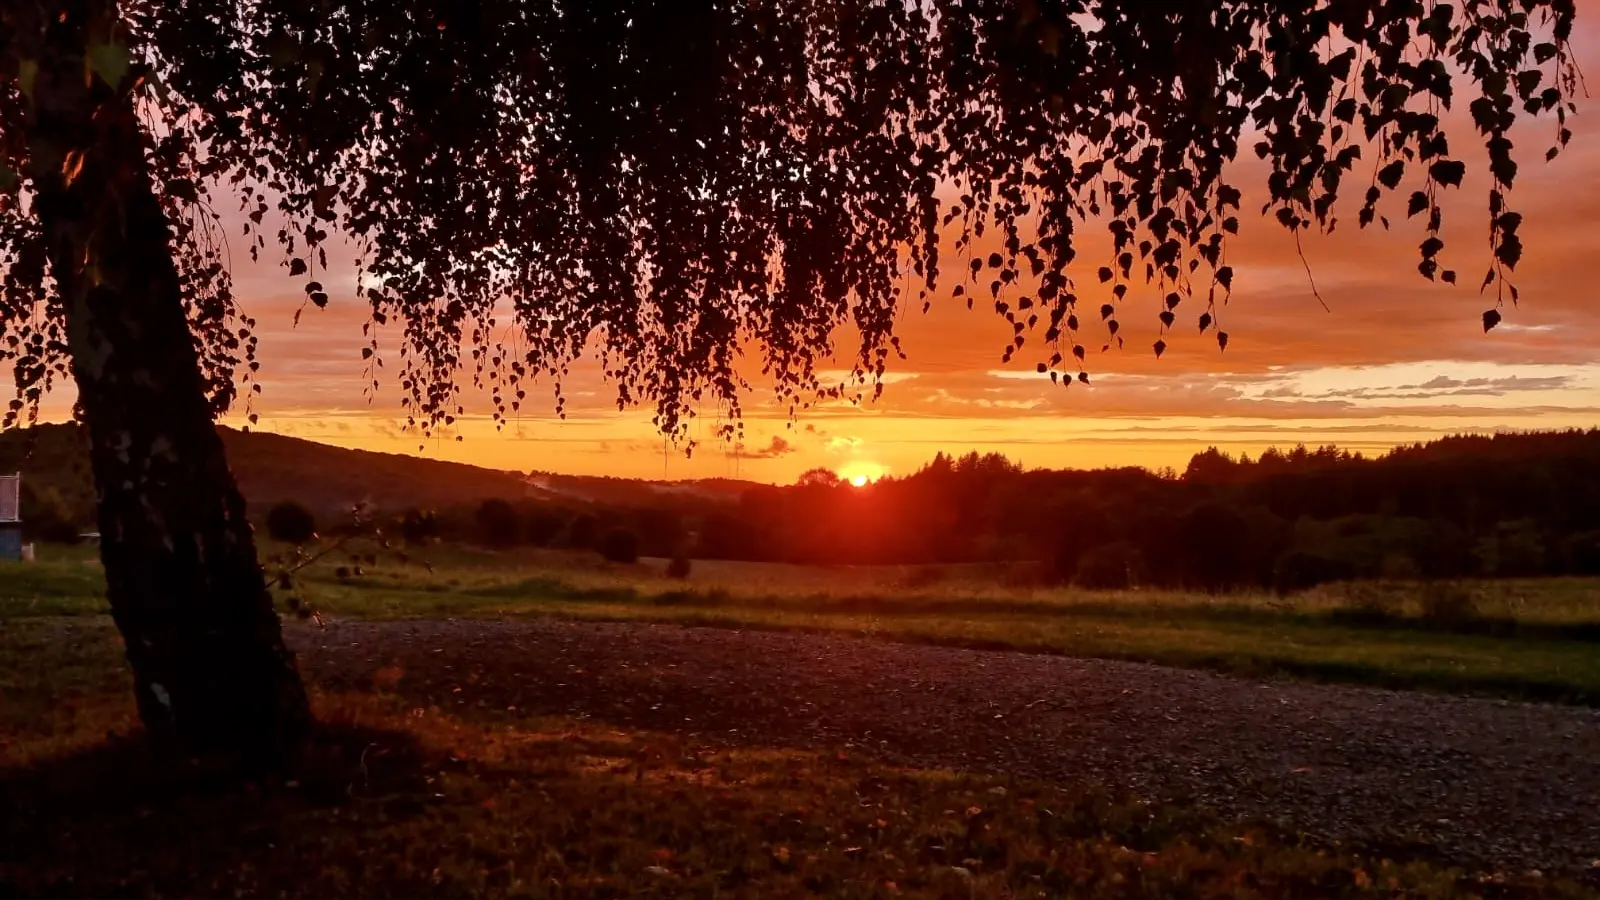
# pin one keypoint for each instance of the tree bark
(211, 670)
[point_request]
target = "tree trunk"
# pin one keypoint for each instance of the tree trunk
(210, 667)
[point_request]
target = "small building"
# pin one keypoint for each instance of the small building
(11, 516)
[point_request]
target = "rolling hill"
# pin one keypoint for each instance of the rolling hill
(271, 468)
(329, 480)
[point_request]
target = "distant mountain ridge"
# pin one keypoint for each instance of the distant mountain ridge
(271, 468)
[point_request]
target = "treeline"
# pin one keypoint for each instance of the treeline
(1491, 506)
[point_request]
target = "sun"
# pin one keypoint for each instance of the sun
(861, 473)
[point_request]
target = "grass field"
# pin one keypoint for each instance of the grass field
(396, 801)
(1520, 639)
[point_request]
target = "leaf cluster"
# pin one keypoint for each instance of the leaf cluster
(671, 188)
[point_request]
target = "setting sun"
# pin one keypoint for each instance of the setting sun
(860, 473)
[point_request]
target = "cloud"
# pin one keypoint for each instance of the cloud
(777, 447)
(1433, 388)
(842, 444)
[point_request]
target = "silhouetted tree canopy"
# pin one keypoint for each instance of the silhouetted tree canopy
(291, 523)
(498, 523)
(673, 185)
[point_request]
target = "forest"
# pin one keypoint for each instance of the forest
(1503, 505)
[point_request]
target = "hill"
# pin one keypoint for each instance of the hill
(633, 492)
(270, 468)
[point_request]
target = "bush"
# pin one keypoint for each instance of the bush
(541, 526)
(679, 567)
(1087, 527)
(291, 523)
(418, 526)
(46, 516)
(620, 545)
(583, 531)
(1514, 550)
(59, 531)
(1109, 567)
(1368, 603)
(1581, 553)
(1447, 603)
(498, 523)
(1299, 570)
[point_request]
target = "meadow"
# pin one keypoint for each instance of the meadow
(393, 798)
(1521, 639)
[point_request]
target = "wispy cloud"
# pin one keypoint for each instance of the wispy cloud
(775, 449)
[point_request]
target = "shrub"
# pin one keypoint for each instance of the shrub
(583, 531)
(1109, 567)
(1299, 570)
(1087, 527)
(1513, 550)
(1447, 603)
(498, 523)
(46, 515)
(620, 545)
(57, 531)
(1581, 553)
(541, 526)
(1399, 566)
(1368, 603)
(418, 526)
(291, 523)
(679, 567)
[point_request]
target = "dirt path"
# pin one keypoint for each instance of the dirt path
(1486, 782)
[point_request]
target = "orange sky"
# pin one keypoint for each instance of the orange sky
(1397, 358)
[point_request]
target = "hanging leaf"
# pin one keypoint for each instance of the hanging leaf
(27, 77)
(109, 62)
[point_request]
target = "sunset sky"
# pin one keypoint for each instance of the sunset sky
(1395, 359)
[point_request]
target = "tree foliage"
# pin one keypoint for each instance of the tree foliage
(291, 523)
(619, 545)
(498, 523)
(670, 186)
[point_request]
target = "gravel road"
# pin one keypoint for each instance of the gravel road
(1483, 782)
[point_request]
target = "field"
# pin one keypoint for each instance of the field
(397, 798)
(1533, 639)
(400, 801)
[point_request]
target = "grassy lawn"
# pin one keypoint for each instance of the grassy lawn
(394, 801)
(1525, 639)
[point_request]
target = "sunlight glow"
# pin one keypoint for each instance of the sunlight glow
(860, 480)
